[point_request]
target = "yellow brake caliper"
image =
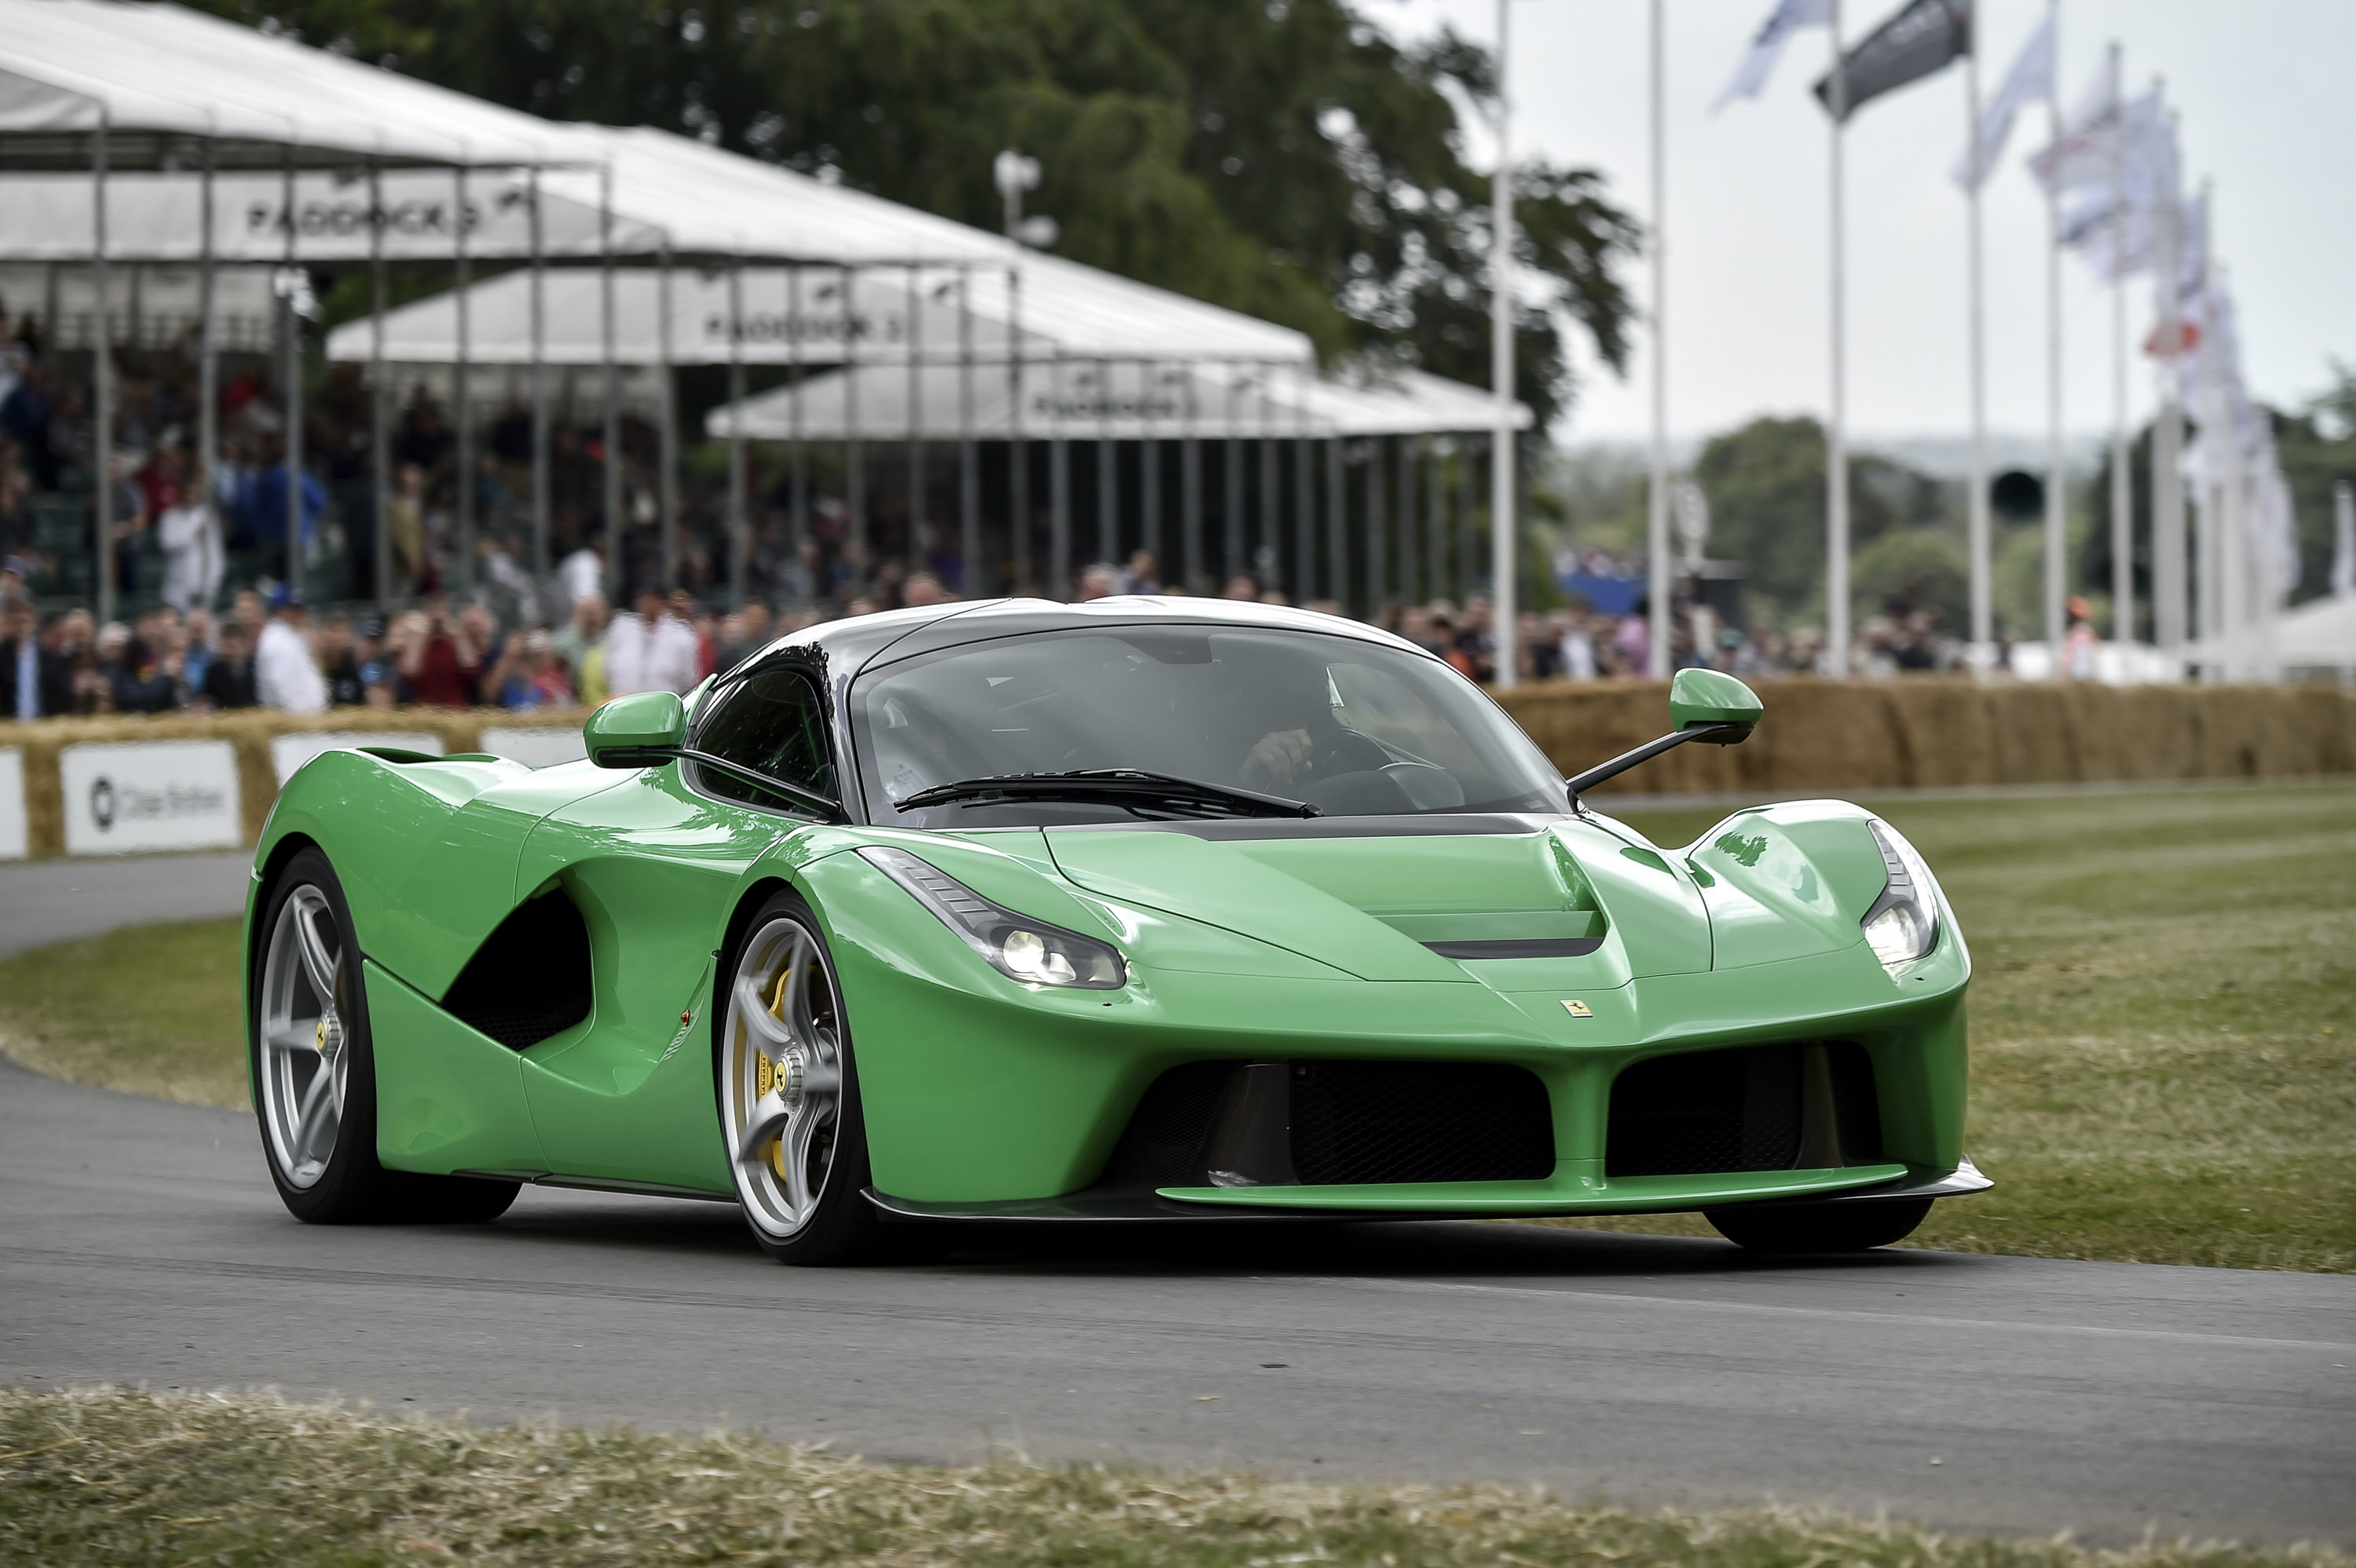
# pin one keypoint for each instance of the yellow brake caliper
(768, 1075)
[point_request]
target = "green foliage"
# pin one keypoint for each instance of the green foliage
(1766, 489)
(2318, 449)
(1282, 157)
(1925, 568)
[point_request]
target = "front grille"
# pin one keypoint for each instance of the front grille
(1348, 1123)
(1419, 1121)
(1705, 1111)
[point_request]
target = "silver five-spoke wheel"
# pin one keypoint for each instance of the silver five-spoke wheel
(782, 1074)
(305, 1067)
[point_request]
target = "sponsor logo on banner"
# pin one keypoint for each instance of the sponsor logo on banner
(123, 798)
(14, 839)
(289, 752)
(535, 746)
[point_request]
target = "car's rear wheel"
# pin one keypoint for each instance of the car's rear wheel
(1853, 1227)
(789, 1092)
(314, 1067)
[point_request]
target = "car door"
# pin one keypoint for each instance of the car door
(654, 867)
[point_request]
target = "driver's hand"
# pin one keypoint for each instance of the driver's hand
(1278, 758)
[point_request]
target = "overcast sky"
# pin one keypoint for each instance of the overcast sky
(2267, 93)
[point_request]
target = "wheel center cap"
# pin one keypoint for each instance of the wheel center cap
(330, 1037)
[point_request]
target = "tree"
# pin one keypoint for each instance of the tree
(1766, 489)
(1282, 157)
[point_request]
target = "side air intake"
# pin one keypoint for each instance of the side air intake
(530, 979)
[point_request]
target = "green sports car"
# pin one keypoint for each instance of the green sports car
(1140, 908)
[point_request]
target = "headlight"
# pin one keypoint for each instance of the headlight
(1904, 924)
(1016, 945)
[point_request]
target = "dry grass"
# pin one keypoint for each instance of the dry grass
(153, 1009)
(102, 1476)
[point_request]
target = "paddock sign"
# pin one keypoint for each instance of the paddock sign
(123, 799)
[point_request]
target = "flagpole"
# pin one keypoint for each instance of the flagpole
(1836, 651)
(1658, 499)
(1976, 500)
(2056, 542)
(1502, 555)
(2168, 436)
(2122, 495)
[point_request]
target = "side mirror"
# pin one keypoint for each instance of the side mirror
(637, 730)
(1709, 696)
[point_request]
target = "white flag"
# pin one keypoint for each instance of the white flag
(2134, 132)
(2030, 79)
(1767, 46)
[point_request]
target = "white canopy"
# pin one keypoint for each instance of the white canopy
(1083, 399)
(157, 77)
(1063, 307)
(2317, 635)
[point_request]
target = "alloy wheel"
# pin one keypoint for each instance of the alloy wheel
(781, 1074)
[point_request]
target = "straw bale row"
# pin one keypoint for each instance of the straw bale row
(1854, 737)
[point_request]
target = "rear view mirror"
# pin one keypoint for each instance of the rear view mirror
(637, 730)
(1709, 696)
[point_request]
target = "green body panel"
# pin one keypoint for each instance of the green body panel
(1711, 697)
(447, 1097)
(977, 1088)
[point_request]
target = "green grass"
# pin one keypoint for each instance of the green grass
(2164, 1020)
(155, 1010)
(107, 1476)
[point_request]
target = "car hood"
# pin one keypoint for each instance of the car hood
(1369, 905)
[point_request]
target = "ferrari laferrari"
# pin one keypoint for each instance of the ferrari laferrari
(1152, 910)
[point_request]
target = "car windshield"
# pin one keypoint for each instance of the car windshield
(1352, 728)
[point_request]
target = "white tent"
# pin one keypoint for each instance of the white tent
(808, 316)
(2317, 640)
(158, 80)
(1099, 399)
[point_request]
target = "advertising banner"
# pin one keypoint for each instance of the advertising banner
(124, 798)
(13, 836)
(289, 752)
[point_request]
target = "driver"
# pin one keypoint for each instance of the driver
(1300, 743)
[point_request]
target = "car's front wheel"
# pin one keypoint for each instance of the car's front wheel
(1854, 1227)
(314, 1067)
(788, 1093)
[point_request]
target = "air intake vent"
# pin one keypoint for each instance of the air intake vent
(1707, 1112)
(530, 979)
(1419, 1121)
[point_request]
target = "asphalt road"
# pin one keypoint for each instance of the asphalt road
(140, 1242)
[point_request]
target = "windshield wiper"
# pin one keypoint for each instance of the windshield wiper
(1115, 786)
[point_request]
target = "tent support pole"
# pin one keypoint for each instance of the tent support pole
(969, 574)
(1059, 496)
(1468, 519)
(1108, 473)
(1435, 519)
(798, 450)
(1378, 564)
(379, 403)
(207, 344)
(294, 319)
(1018, 450)
(854, 457)
(914, 349)
(1190, 494)
(101, 443)
(461, 408)
(1231, 493)
(1271, 529)
(1337, 523)
(1304, 495)
(666, 459)
(539, 473)
(1409, 556)
(736, 498)
(1149, 471)
(613, 391)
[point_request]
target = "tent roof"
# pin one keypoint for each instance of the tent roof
(2320, 633)
(1066, 307)
(161, 79)
(1089, 401)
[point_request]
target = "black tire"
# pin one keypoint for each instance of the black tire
(1788, 1229)
(840, 1227)
(350, 1187)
